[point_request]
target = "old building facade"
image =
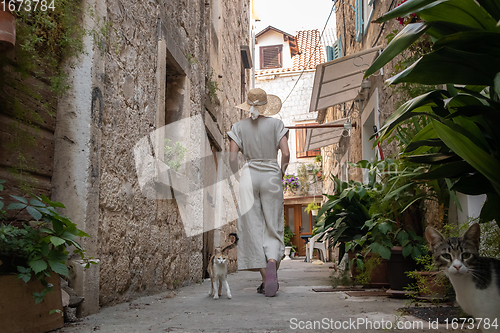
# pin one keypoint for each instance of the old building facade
(138, 143)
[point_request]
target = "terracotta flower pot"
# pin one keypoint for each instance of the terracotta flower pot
(19, 313)
(7, 30)
(430, 284)
(379, 275)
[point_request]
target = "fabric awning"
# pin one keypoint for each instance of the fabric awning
(339, 80)
(321, 137)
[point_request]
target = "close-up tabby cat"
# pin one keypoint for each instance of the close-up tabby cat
(217, 268)
(475, 279)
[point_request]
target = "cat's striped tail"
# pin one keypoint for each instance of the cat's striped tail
(232, 246)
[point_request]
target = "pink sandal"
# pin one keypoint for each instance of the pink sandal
(271, 279)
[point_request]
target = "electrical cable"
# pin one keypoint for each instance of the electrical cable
(383, 26)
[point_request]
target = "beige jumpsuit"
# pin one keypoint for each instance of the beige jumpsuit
(260, 207)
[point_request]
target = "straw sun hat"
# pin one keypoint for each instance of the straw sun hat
(260, 103)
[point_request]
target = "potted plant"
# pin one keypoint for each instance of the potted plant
(342, 217)
(7, 27)
(288, 235)
(312, 207)
(368, 218)
(317, 173)
(431, 284)
(396, 225)
(318, 159)
(290, 184)
(35, 252)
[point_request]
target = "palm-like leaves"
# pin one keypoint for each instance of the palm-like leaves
(460, 141)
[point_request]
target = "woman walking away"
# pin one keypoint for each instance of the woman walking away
(260, 221)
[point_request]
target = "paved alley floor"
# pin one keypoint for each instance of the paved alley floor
(296, 308)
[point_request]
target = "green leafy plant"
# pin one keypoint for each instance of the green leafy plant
(375, 216)
(288, 235)
(212, 86)
(364, 269)
(343, 216)
(318, 158)
(430, 283)
(174, 154)
(44, 40)
(43, 244)
(463, 117)
(312, 206)
(192, 59)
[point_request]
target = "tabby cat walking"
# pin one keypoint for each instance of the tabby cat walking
(217, 268)
(476, 279)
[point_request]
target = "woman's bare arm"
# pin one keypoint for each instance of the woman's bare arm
(285, 154)
(233, 157)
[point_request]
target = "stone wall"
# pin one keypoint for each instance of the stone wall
(149, 69)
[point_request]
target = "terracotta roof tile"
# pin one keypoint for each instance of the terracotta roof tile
(311, 53)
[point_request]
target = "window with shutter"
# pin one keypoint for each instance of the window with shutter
(300, 141)
(335, 51)
(363, 14)
(271, 56)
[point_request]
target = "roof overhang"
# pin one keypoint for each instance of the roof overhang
(320, 137)
(339, 81)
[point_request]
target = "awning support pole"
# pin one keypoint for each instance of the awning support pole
(317, 126)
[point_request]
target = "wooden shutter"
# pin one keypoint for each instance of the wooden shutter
(300, 142)
(271, 56)
(359, 20)
(335, 51)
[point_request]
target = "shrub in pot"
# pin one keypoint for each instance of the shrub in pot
(430, 284)
(38, 248)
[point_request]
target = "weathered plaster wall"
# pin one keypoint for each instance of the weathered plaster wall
(77, 157)
(141, 241)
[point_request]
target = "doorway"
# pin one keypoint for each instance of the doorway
(301, 224)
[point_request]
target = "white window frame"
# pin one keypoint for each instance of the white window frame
(369, 118)
(344, 167)
(367, 14)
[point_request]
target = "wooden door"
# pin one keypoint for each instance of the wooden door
(300, 224)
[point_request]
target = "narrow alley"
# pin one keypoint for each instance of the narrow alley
(296, 308)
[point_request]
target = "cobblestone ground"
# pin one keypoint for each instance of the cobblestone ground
(296, 308)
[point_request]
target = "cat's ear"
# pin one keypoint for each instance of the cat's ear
(473, 235)
(433, 236)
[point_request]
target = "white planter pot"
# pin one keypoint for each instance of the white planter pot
(288, 249)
